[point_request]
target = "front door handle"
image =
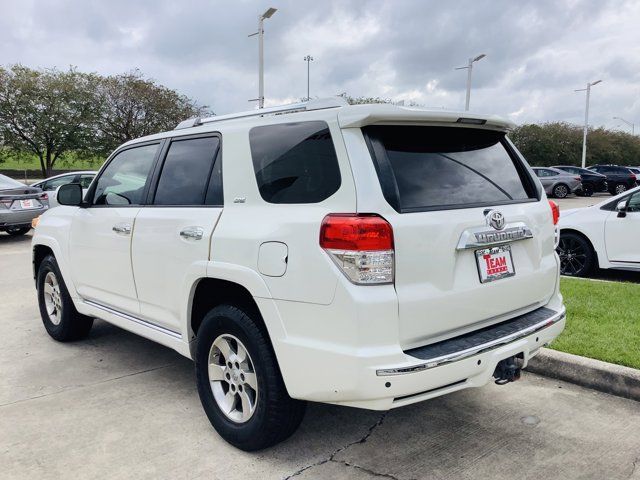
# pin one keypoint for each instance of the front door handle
(122, 228)
(192, 233)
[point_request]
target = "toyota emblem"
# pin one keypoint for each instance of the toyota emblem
(495, 219)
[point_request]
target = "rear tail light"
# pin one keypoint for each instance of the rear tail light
(44, 196)
(361, 245)
(6, 203)
(555, 211)
(577, 178)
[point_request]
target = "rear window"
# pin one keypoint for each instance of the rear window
(431, 168)
(295, 162)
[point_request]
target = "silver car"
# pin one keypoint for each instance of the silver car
(51, 184)
(557, 183)
(19, 204)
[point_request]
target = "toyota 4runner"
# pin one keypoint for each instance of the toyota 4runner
(371, 256)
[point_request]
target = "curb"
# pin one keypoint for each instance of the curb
(586, 372)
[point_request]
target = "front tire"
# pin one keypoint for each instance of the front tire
(239, 382)
(577, 257)
(59, 315)
(561, 191)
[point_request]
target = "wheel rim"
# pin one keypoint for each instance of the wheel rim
(621, 189)
(561, 191)
(52, 298)
(232, 378)
(573, 256)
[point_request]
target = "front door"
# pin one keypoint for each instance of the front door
(100, 237)
(622, 234)
(172, 234)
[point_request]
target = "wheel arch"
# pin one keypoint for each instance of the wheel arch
(585, 237)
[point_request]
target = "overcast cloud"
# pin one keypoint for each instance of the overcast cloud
(538, 52)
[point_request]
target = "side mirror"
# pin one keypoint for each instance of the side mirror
(621, 208)
(70, 194)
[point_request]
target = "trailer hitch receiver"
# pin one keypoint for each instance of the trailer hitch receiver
(508, 370)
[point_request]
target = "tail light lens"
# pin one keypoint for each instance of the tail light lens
(6, 203)
(577, 178)
(361, 245)
(555, 211)
(44, 196)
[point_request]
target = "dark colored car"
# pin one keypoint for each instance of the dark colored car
(619, 179)
(592, 182)
(19, 204)
(636, 172)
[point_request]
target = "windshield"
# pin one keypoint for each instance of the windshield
(427, 168)
(6, 182)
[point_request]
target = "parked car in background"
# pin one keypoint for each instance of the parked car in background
(370, 256)
(592, 182)
(636, 172)
(19, 204)
(557, 182)
(605, 235)
(619, 179)
(51, 184)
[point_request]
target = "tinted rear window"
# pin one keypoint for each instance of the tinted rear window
(427, 168)
(295, 162)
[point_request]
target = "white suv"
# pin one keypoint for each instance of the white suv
(371, 256)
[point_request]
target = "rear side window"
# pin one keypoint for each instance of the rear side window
(432, 168)
(295, 162)
(186, 171)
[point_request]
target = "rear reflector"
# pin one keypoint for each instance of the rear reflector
(555, 211)
(361, 245)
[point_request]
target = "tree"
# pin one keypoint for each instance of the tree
(47, 112)
(132, 107)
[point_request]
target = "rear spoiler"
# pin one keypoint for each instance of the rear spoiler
(357, 116)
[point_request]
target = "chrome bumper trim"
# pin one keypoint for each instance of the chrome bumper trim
(462, 354)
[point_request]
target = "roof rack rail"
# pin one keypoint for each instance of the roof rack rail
(319, 104)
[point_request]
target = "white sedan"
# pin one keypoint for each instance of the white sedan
(605, 235)
(51, 184)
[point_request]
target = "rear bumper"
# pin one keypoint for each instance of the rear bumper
(17, 218)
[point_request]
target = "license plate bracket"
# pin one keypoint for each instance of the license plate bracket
(495, 263)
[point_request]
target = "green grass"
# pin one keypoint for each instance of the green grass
(603, 321)
(70, 161)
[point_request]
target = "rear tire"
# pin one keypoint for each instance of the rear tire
(239, 381)
(577, 258)
(17, 231)
(561, 191)
(587, 190)
(59, 315)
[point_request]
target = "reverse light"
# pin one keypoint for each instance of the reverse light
(361, 245)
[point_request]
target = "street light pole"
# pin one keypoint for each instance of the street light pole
(633, 127)
(586, 120)
(308, 59)
(469, 68)
(268, 14)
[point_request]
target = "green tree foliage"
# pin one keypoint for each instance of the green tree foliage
(561, 144)
(47, 112)
(132, 107)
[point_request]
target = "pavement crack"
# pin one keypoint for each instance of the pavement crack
(330, 458)
(635, 468)
(366, 470)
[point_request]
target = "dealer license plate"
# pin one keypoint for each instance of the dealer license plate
(495, 263)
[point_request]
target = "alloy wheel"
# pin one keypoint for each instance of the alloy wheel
(233, 379)
(573, 256)
(52, 298)
(620, 188)
(561, 191)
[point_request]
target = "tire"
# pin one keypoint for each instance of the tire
(577, 258)
(587, 190)
(268, 415)
(17, 231)
(59, 316)
(561, 191)
(618, 189)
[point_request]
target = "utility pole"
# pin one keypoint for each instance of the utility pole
(633, 127)
(586, 120)
(308, 59)
(268, 14)
(469, 68)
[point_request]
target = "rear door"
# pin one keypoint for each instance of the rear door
(173, 233)
(444, 184)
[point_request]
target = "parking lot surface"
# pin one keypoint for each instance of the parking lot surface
(119, 406)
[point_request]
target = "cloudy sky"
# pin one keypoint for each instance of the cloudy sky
(538, 52)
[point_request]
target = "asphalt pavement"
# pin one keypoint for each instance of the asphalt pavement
(118, 406)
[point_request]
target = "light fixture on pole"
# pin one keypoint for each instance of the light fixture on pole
(586, 120)
(633, 127)
(268, 14)
(308, 59)
(469, 68)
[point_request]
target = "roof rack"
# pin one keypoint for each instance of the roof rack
(319, 104)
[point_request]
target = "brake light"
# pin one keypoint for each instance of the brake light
(361, 245)
(44, 196)
(577, 178)
(7, 203)
(555, 211)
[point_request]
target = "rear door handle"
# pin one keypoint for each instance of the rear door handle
(122, 228)
(192, 233)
